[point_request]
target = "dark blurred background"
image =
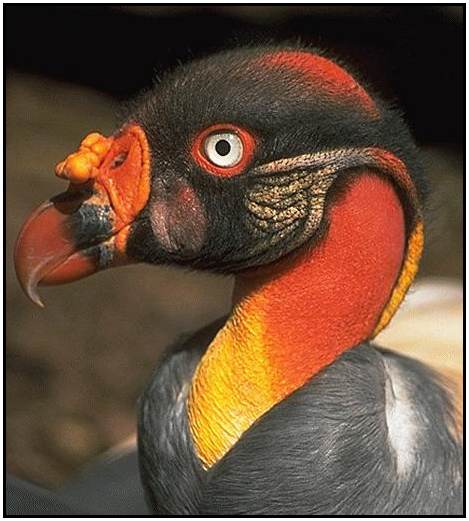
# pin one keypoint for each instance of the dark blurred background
(74, 370)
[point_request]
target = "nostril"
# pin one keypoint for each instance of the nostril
(118, 160)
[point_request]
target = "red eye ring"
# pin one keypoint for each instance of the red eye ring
(200, 157)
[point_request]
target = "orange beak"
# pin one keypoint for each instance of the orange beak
(85, 229)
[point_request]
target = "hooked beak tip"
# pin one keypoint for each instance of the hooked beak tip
(26, 277)
(42, 244)
(33, 295)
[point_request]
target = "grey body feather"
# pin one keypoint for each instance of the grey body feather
(326, 449)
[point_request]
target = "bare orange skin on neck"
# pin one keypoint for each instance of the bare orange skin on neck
(289, 323)
(330, 298)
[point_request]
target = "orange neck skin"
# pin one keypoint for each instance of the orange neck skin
(290, 323)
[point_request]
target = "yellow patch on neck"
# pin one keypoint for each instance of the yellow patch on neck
(408, 272)
(223, 404)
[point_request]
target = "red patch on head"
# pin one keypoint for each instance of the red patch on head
(323, 75)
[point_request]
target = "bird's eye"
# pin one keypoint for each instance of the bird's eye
(224, 150)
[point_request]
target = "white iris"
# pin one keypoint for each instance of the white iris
(224, 149)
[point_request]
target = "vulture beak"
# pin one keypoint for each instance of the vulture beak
(85, 229)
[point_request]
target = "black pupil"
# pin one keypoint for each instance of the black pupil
(222, 147)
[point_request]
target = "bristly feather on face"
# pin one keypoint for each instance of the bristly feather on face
(310, 121)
